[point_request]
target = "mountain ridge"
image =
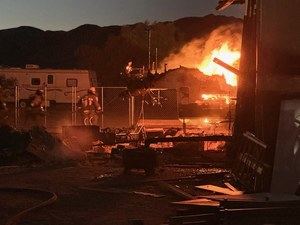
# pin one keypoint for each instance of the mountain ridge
(104, 49)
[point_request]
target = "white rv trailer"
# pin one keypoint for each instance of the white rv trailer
(58, 83)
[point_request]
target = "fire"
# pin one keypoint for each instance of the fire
(207, 97)
(206, 120)
(231, 57)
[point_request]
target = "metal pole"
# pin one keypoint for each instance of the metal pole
(16, 105)
(18, 108)
(155, 60)
(129, 112)
(72, 105)
(132, 110)
(149, 48)
(75, 105)
(143, 112)
(46, 104)
(229, 114)
(102, 106)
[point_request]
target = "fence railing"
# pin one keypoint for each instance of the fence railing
(120, 108)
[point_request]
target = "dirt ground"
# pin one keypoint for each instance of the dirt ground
(77, 206)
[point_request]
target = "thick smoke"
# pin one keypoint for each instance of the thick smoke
(193, 53)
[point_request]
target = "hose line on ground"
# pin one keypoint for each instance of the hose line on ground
(17, 218)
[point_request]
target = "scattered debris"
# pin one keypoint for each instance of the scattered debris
(222, 190)
(259, 208)
(49, 148)
(251, 168)
(102, 176)
(175, 190)
(199, 201)
(140, 158)
(231, 187)
(12, 144)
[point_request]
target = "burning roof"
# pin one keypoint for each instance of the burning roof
(195, 80)
(223, 43)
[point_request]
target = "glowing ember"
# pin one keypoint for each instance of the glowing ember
(208, 67)
(207, 97)
(206, 120)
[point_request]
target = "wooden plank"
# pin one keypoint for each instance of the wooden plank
(253, 138)
(204, 218)
(175, 190)
(196, 223)
(218, 189)
(119, 191)
(199, 202)
(194, 217)
(257, 197)
(224, 138)
(231, 187)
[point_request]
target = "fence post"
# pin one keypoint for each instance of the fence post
(16, 106)
(75, 105)
(131, 110)
(72, 105)
(102, 107)
(46, 104)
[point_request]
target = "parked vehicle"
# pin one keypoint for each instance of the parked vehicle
(58, 83)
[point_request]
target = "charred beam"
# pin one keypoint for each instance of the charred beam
(189, 139)
(223, 4)
(226, 66)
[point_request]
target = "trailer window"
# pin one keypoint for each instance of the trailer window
(71, 82)
(35, 81)
(50, 79)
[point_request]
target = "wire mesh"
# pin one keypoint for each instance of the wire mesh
(115, 107)
(120, 109)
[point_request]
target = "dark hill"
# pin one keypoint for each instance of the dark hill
(103, 49)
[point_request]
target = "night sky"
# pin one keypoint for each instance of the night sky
(69, 14)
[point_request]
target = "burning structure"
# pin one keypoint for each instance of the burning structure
(266, 64)
(267, 159)
(267, 163)
(199, 86)
(223, 43)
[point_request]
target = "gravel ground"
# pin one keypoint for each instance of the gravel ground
(77, 206)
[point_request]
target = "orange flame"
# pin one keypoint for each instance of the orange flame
(207, 97)
(231, 57)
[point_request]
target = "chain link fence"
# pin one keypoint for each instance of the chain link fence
(120, 108)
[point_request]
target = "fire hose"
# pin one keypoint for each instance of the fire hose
(18, 217)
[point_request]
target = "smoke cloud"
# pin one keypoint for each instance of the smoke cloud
(193, 53)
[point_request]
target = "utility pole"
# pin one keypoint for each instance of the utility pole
(155, 60)
(149, 47)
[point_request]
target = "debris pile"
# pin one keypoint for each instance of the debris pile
(12, 144)
(35, 145)
(52, 149)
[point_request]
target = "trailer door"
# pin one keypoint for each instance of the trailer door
(51, 88)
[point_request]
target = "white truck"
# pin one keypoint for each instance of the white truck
(59, 83)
